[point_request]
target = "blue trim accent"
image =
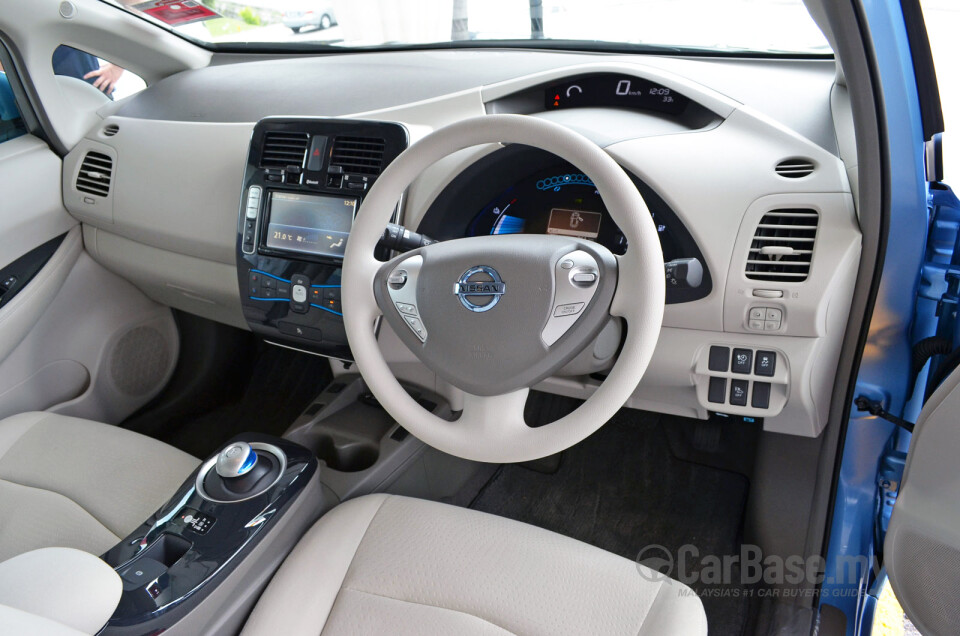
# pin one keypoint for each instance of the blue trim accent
(326, 286)
(260, 271)
(247, 465)
(885, 368)
(335, 313)
(557, 182)
(271, 300)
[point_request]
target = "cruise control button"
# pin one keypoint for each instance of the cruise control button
(742, 360)
(569, 309)
(416, 326)
(405, 308)
(585, 277)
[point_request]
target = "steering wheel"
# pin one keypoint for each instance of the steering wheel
(494, 315)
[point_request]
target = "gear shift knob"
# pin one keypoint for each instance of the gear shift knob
(236, 460)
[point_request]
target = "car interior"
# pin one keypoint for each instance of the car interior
(594, 304)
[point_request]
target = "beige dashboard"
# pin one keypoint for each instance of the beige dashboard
(170, 219)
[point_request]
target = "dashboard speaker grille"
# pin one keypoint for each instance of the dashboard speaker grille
(96, 170)
(782, 246)
(795, 168)
(282, 149)
(358, 155)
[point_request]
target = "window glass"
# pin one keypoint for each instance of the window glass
(766, 27)
(11, 123)
(114, 81)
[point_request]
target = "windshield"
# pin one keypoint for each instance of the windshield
(769, 27)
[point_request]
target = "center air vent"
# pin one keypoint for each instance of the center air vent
(95, 173)
(282, 149)
(795, 168)
(357, 155)
(782, 246)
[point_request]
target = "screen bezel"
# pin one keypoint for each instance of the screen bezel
(301, 254)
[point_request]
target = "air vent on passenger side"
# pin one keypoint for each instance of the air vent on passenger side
(795, 168)
(282, 149)
(782, 246)
(110, 130)
(357, 155)
(95, 173)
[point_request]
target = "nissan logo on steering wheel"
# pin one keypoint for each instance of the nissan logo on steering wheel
(480, 288)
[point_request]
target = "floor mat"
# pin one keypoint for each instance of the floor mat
(282, 384)
(622, 490)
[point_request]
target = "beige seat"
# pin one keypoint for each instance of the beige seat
(384, 564)
(68, 482)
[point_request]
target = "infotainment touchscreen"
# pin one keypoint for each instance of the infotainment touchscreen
(309, 223)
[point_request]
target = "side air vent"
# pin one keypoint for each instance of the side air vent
(110, 130)
(282, 149)
(357, 155)
(95, 173)
(795, 168)
(782, 246)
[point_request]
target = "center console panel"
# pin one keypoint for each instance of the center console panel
(304, 181)
(197, 543)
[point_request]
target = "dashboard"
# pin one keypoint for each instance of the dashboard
(737, 160)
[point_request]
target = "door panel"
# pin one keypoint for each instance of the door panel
(922, 548)
(31, 214)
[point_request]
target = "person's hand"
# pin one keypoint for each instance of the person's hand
(107, 76)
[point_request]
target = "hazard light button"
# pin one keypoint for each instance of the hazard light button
(318, 146)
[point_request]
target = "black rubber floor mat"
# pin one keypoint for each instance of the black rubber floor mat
(622, 490)
(282, 384)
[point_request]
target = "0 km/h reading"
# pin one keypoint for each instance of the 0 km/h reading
(610, 90)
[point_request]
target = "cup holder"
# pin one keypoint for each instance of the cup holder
(347, 456)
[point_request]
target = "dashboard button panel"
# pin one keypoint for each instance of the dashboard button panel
(742, 380)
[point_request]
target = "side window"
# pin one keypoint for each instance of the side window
(114, 81)
(11, 123)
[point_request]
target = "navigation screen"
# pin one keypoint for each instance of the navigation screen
(310, 223)
(577, 223)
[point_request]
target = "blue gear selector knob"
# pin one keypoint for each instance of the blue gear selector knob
(236, 460)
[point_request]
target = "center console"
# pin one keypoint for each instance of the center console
(304, 181)
(198, 565)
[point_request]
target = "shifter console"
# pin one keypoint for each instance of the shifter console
(250, 491)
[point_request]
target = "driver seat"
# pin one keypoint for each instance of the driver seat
(384, 564)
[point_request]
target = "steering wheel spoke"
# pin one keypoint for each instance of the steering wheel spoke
(499, 416)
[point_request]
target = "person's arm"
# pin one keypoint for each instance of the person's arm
(106, 77)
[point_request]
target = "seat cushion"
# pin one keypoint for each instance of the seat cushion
(386, 564)
(73, 483)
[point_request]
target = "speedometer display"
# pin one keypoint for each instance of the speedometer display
(559, 202)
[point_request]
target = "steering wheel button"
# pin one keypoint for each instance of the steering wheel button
(566, 264)
(584, 277)
(417, 327)
(569, 309)
(406, 308)
(397, 279)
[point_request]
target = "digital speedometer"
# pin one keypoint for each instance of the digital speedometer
(614, 91)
